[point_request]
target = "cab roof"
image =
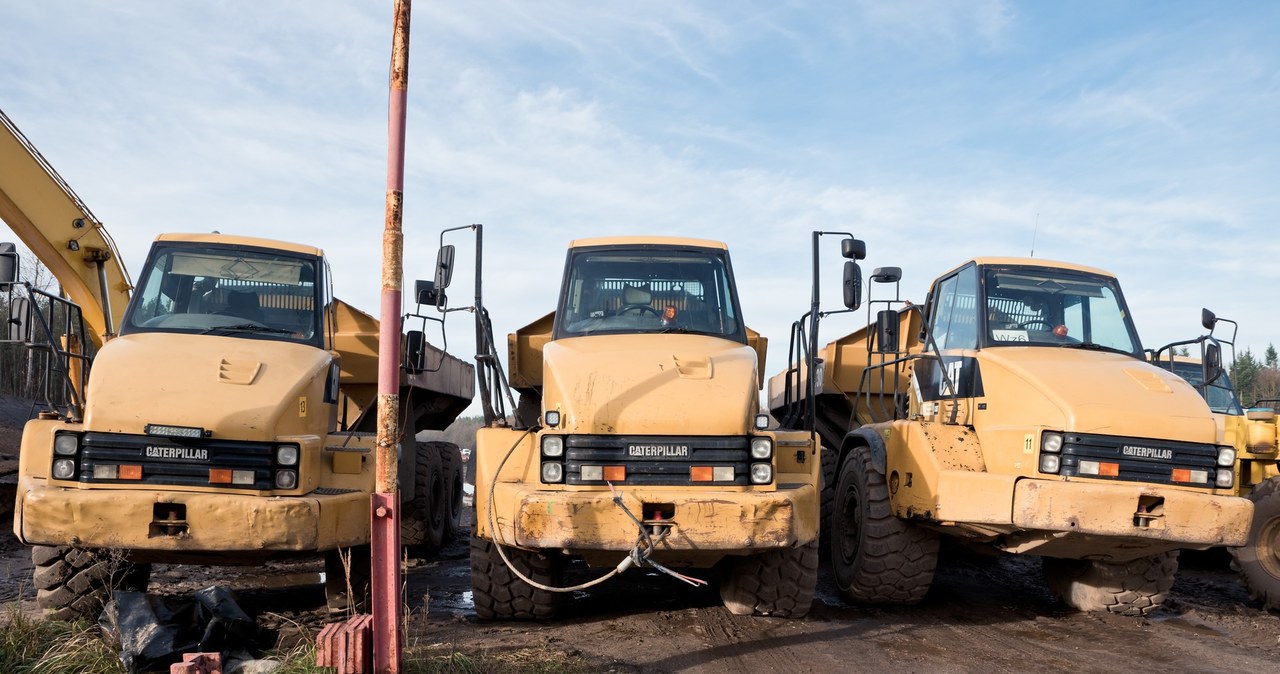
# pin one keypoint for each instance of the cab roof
(233, 240)
(1030, 262)
(647, 240)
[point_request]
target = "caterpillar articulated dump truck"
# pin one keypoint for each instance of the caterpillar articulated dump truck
(1252, 431)
(229, 421)
(1014, 410)
(640, 440)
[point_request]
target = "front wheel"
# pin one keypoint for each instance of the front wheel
(76, 583)
(1133, 588)
(1259, 557)
(776, 583)
(876, 557)
(499, 594)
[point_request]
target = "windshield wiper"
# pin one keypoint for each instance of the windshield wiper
(1095, 347)
(248, 327)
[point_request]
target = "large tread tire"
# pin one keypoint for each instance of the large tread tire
(423, 524)
(453, 474)
(499, 594)
(1259, 557)
(74, 583)
(827, 496)
(876, 557)
(776, 583)
(347, 580)
(1133, 588)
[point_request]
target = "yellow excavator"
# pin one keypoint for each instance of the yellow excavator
(221, 412)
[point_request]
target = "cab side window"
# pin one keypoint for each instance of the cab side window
(955, 316)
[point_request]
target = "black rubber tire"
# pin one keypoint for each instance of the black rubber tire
(74, 583)
(776, 583)
(1259, 558)
(1133, 588)
(347, 579)
(827, 496)
(499, 594)
(876, 557)
(422, 524)
(452, 471)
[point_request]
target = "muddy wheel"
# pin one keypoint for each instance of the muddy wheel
(1133, 588)
(347, 580)
(423, 523)
(73, 583)
(876, 557)
(1259, 558)
(827, 497)
(777, 583)
(501, 595)
(452, 473)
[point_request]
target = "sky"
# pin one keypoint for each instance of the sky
(1139, 137)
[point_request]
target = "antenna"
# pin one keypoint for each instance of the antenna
(1033, 234)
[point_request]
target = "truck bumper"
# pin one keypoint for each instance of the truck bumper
(1185, 519)
(188, 522)
(703, 522)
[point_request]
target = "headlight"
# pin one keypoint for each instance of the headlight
(552, 418)
(287, 455)
(553, 445)
(762, 421)
(552, 471)
(66, 444)
(1051, 442)
(1226, 456)
(1225, 478)
(64, 469)
(286, 479)
(1050, 463)
(761, 473)
(761, 448)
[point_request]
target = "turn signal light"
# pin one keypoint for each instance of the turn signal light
(702, 474)
(615, 473)
(130, 472)
(219, 476)
(1109, 469)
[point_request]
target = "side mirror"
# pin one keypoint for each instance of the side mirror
(887, 324)
(853, 249)
(425, 292)
(852, 284)
(444, 268)
(414, 351)
(886, 275)
(19, 327)
(1211, 365)
(1208, 319)
(8, 263)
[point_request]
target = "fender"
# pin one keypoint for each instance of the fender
(870, 439)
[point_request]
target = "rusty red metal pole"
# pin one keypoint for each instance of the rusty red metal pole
(385, 502)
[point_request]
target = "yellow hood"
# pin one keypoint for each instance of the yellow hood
(1095, 392)
(651, 384)
(241, 389)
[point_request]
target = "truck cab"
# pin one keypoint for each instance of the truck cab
(645, 436)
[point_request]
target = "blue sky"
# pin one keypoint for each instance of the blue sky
(1140, 137)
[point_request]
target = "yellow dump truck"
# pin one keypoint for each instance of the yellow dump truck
(640, 440)
(1014, 409)
(221, 414)
(1252, 431)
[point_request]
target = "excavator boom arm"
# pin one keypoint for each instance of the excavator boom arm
(62, 233)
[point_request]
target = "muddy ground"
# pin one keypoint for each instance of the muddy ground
(982, 615)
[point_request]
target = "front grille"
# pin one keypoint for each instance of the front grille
(1140, 459)
(173, 462)
(657, 460)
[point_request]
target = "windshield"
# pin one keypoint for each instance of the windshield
(649, 289)
(236, 291)
(1037, 306)
(1220, 396)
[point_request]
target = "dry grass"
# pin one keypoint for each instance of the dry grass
(34, 646)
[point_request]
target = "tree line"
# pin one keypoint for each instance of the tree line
(1256, 379)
